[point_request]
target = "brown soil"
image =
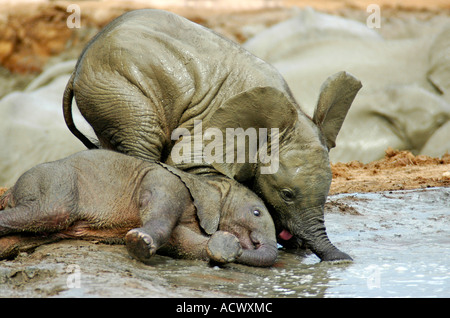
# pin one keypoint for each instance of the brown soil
(399, 170)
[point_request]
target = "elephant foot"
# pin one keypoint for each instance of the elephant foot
(140, 245)
(223, 247)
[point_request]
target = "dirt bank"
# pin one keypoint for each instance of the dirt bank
(399, 170)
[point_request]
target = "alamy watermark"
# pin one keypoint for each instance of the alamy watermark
(74, 278)
(237, 146)
(74, 19)
(374, 19)
(373, 278)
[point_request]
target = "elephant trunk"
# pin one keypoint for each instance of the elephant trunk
(311, 230)
(325, 250)
(263, 254)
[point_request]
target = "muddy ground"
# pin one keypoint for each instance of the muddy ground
(33, 36)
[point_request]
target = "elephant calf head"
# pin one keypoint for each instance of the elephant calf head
(296, 188)
(224, 205)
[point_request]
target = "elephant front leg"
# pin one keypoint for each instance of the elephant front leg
(162, 205)
(223, 247)
(140, 244)
(158, 224)
(186, 243)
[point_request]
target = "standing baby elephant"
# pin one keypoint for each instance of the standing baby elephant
(100, 194)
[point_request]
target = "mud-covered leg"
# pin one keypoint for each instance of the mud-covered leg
(117, 130)
(28, 218)
(142, 243)
(5, 196)
(162, 205)
(14, 220)
(12, 245)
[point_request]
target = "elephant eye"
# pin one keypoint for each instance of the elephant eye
(287, 195)
(256, 212)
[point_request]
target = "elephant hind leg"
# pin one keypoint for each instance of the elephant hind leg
(12, 245)
(87, 231)
(5, 196)
(124, 119)
(29, 218)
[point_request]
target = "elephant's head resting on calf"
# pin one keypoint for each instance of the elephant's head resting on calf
(296, 191)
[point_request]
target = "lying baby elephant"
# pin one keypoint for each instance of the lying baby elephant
(108, 196)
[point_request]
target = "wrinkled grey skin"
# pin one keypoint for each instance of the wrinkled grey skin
(105, 195)
(150, 72)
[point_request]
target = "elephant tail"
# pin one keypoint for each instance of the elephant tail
(67, 111)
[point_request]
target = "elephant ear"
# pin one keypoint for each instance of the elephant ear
(207, 197)
(336, 96)
(259, 107)
(439, 58)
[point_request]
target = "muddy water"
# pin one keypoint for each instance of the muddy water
(400, 242)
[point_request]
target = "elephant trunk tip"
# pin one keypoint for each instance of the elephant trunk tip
(336, 256)
(263, 254)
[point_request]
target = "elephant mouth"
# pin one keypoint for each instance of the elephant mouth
(289, 241)
(285, 235)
